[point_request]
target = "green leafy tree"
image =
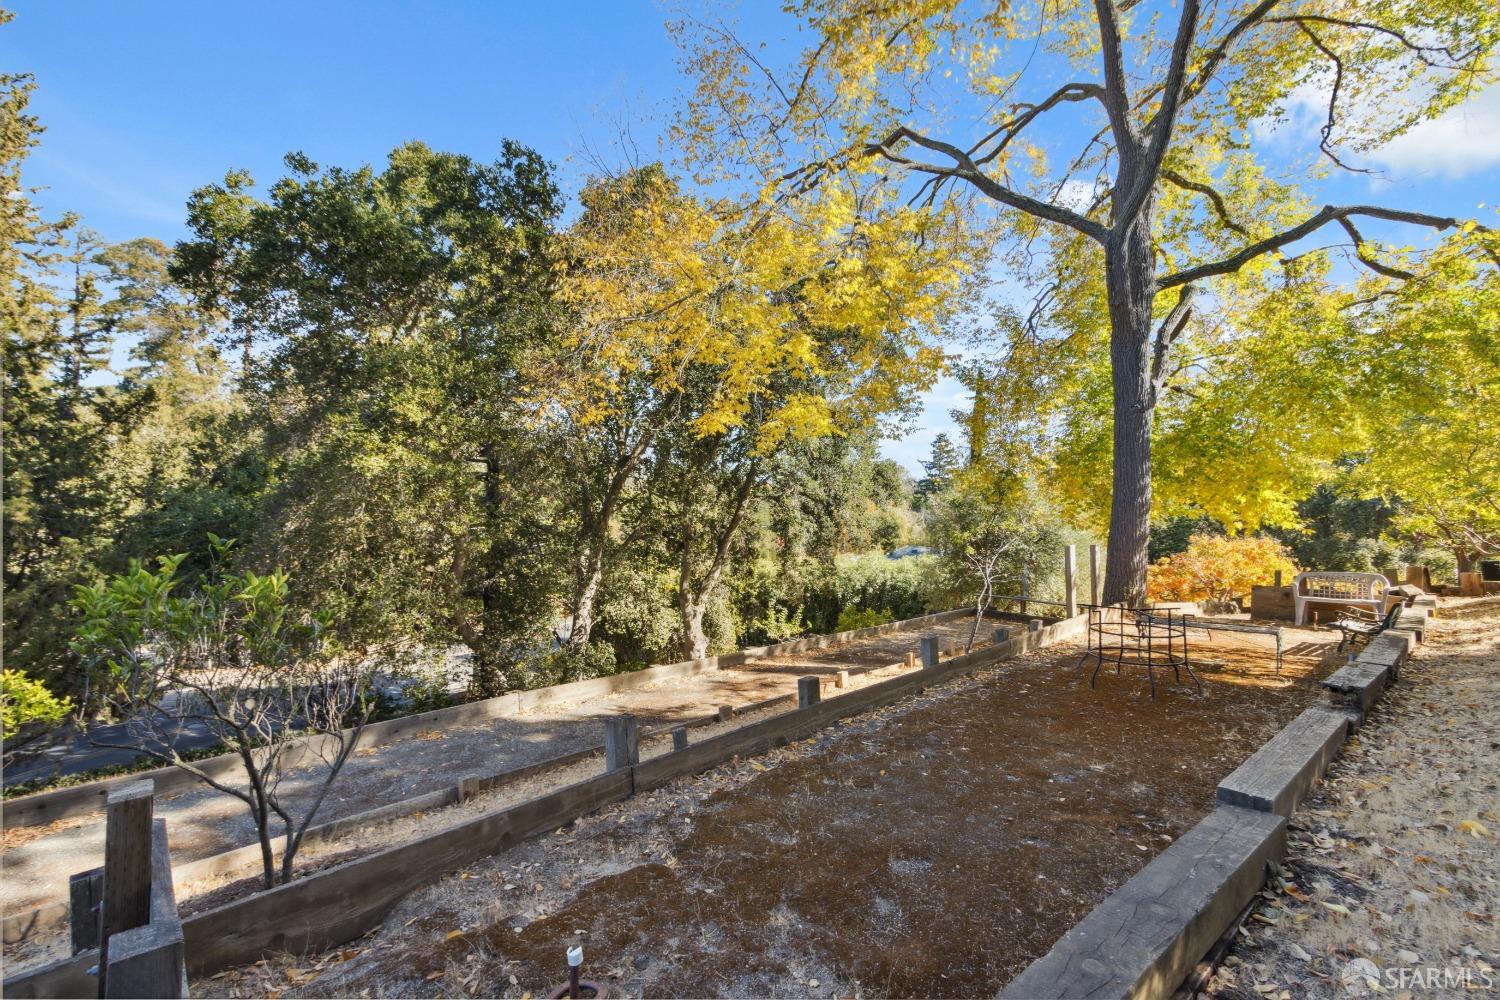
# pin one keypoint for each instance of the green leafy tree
(395, 329)
(229, 654)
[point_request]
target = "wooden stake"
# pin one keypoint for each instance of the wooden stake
(127, 865)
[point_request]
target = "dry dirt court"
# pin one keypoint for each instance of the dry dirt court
(933, 848)
(201, 821)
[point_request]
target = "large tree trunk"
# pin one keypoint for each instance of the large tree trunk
(691, 607)
(588, 575)
(1130, 276)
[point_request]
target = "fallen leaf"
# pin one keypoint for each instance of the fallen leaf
(1474, 828)
(454, 934)
(1338, 908)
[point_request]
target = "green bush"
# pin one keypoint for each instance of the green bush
(778, 624)
(24, 700)
(852, 618)
(563, 666)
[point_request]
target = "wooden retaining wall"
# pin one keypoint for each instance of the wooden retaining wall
(331, 907)
(78, 800)
(1145, 938)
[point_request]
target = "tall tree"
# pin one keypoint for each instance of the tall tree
(734, 334)
(1169, 102)
(398, 317)
(65, 496)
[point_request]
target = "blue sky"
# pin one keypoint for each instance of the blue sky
(145, 101)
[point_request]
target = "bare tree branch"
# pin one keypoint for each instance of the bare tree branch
(1325, 215)
(965, 169)
(1367, 258)
(1167, 334)
(1161, 125)
(1116, 97)
(1220, 52)
(1214, 198)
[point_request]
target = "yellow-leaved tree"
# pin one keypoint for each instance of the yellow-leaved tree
(715, 333)
(1159, 201)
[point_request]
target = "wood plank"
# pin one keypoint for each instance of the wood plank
(340, 904)
(1283, 771)
(1144, 938)
(127, 862)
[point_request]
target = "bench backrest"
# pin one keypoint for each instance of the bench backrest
(1341, 586)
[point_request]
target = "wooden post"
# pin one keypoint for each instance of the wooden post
(85, 894)
(911, 661)
(1277, 581)
(1035, 625)
(679, 738)
(1094, 574)
(929, 652)
(726, 712)
(1471, 584)
(1002, 635)
(150, 961)
(1070, 586)
(127, 865)
(809, 691)
(622, 742)
(841, 679)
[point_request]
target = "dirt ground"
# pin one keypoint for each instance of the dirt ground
(201, 822)
(932, 848)
(1391, 880)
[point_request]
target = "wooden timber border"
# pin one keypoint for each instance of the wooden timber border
(23, 925)
(334, 906)
(41, 808)
(1145, 939)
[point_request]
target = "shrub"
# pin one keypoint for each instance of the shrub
(851, 619)
(24, 700)
(563, 666)
(779, 624)
(1214, 568)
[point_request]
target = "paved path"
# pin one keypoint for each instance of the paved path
(78, 753)
(201, 822)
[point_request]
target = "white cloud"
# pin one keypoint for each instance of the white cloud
(1463, 141)
(1076, 194)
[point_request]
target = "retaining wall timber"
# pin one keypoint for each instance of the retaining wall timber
(1278, 776)
(334, 906)
(77, 800)
(1144, 938)
(21, 926)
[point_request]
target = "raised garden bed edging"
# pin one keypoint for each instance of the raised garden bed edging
(337, 905)
(1144, 939)
(1278, 776)
(41, 808)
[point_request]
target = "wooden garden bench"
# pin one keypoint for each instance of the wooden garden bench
(1360, 627)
